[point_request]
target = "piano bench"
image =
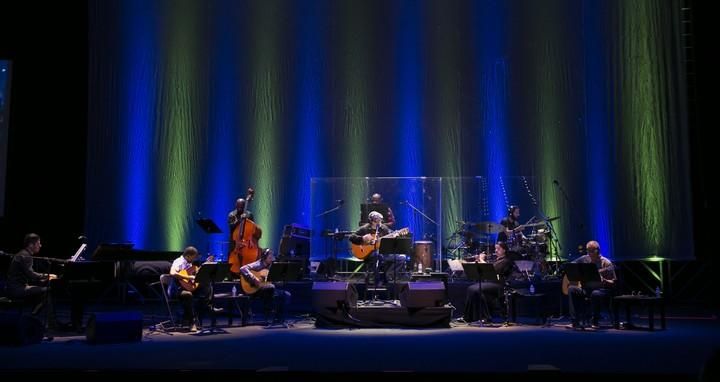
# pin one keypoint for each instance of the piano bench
(7, 303)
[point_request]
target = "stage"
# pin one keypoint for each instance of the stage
(508, 352)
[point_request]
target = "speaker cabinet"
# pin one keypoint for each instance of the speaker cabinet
(332, 295)
(423, 294)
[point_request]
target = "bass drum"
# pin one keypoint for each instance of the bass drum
(422, 254)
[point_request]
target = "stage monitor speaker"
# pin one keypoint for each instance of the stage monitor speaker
(423, 294)
(20, 329)
(333, 295)
(117, 327)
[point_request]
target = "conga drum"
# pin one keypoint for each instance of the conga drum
(422, 254)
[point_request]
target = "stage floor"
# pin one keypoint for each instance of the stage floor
(678, 352)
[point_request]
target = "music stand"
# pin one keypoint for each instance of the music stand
(209, 227)
(585, 273)
(284, 271)
(209, 274)
(395, 246)
(485, 272)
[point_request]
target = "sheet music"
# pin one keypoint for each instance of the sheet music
(78, 253)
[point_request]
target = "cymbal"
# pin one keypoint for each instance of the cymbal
(490, 227)
(542, 223)
(471, 233)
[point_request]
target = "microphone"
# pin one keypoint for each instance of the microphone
(404, 202)
(556, 182)
(82, 237)
(340, 202)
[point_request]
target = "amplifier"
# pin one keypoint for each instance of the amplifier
(296, 230)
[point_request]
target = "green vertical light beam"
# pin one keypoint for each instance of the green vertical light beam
(356, 32)
(446, 53)
(265, 124)
(179, 160)
(643, 119)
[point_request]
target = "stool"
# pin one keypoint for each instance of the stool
(538, 301)
(649, 301)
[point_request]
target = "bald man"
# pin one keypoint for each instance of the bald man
(599, 293)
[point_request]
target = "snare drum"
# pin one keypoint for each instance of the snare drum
(423, 254)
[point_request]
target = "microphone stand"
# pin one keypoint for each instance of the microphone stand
(573, 213)
(420, 212)
(426, 217)
(330, 210)
(330, 270)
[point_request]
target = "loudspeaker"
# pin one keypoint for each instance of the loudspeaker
(18, 330)
(423, 294)
(108, 328)
(331, 295)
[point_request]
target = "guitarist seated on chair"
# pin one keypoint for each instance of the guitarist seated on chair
(599, 294)
(254, 283)
(184, 269)
(369, 234)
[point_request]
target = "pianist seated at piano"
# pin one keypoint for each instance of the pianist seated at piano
(26, 284)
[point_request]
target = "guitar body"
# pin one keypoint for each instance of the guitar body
(566, 283)
(249, 288)
(189, 286)
(361, 251)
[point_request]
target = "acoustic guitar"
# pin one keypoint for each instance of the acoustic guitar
(566, 283)
(188, 285)
(191, 285)
(361, 251)
(248, 287)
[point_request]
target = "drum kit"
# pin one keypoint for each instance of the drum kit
(473, 241)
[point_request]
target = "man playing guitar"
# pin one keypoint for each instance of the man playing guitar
(254, 283)
(184, 269)
(368, 234)
(599, 294)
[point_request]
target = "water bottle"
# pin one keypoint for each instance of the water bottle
(658, 292)
(234, 291)
(532, 289)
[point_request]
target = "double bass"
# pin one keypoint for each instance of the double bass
(245, 235)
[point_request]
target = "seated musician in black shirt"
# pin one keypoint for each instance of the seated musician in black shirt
(512, 235)
(24, 283)
(480, 297)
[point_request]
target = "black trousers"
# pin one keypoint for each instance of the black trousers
(201, 297)
(578, 305)
(274, 301)
(480, 299)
